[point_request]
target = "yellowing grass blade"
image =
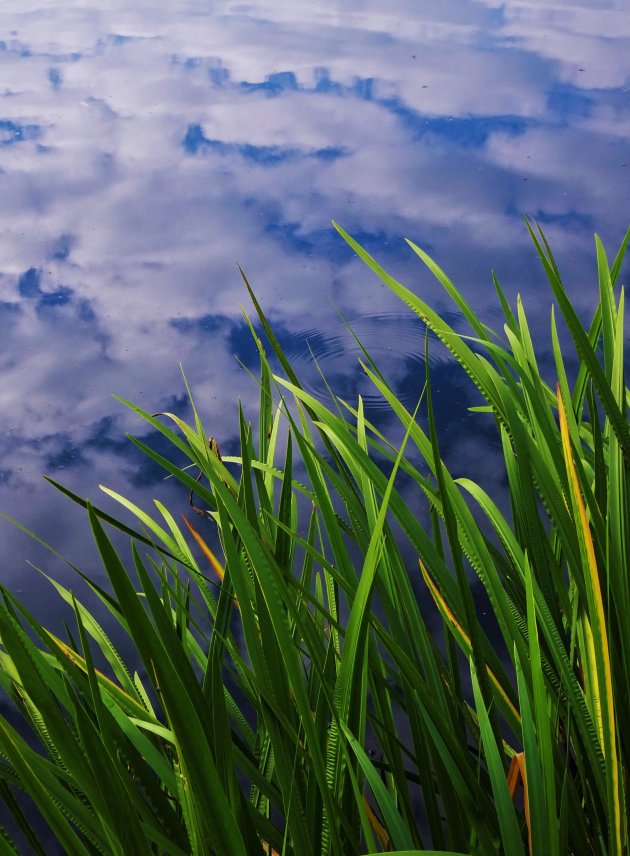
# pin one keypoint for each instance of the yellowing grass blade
(207, 552)
(462, 638)
(590, 678)
(517, 775)
(377, 826)
(109, 686)
(604, 712)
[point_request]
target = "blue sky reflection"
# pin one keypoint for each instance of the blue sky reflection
(148, 148)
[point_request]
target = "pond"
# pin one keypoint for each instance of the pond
(149, 148)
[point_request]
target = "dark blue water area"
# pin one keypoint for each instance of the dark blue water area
(147, 149)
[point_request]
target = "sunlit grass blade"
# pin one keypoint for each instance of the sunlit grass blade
(220, 824)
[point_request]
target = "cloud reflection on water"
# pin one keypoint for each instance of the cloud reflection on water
(147, 150)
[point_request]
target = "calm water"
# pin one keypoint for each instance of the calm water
(146, 148)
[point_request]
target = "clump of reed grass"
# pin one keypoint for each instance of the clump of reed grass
(290, 697)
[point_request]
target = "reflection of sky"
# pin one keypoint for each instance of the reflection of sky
(147, 148)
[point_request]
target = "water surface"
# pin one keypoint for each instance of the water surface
(147, 148)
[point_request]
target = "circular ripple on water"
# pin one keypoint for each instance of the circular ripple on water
(394, 341)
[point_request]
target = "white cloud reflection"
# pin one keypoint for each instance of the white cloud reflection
(441, 121)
